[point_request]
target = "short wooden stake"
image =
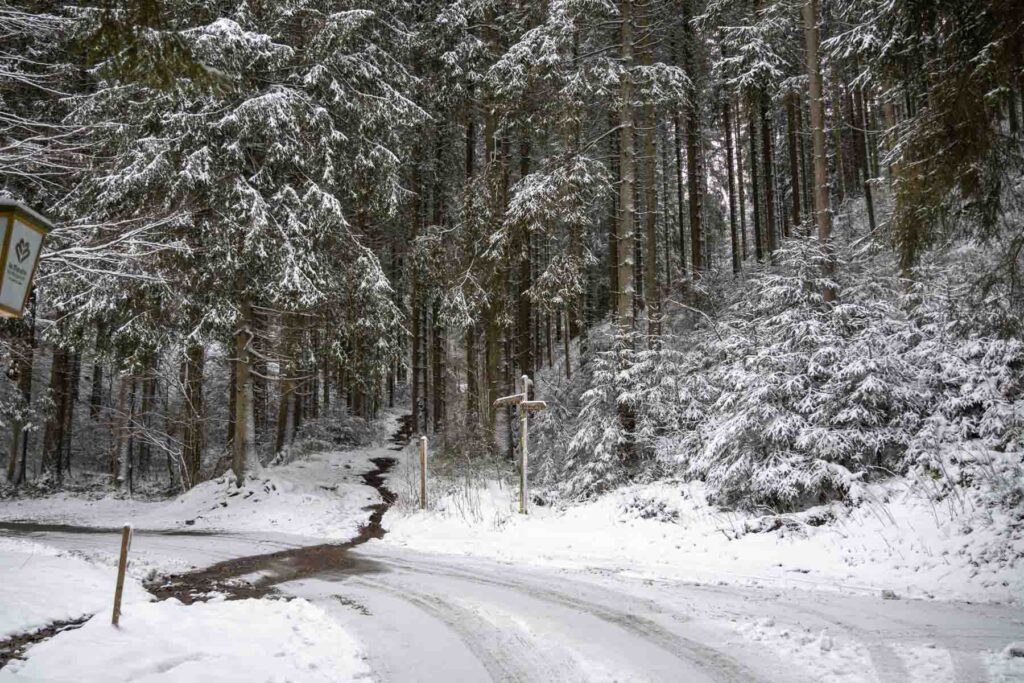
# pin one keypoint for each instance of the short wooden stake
(122, 565)
(423, 473)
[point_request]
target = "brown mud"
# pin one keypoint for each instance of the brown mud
(257, 575)
(14, 647)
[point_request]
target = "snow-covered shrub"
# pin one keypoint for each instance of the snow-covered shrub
(808, 393)
(337, 431)
(592, 451)
(782, 400)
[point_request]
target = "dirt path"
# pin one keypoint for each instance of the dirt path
(257, 575)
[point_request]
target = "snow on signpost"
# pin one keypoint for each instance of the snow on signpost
(24, 231)
(526, 407)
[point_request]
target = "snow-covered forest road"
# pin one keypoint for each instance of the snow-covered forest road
(418, 616)
(423, 616)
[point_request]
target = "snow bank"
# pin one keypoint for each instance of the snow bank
(245, 640)
(40, 585)
(320, 496)
(897, 539)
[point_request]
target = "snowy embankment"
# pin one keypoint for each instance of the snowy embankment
(291, 640)
(321, 496)
(315, 498)
(40, 585)
(897, 539)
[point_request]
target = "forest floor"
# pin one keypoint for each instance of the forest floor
(471, 591)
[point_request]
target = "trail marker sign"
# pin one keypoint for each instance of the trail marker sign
(23, 233)
(526, 406)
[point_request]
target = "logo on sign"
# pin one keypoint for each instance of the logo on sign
(22, 250)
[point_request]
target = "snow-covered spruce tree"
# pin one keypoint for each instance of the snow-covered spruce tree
(257, 180)
(807, 393)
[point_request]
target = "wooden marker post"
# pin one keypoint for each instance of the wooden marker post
(423, 473)
(122, 565)
(526, 406)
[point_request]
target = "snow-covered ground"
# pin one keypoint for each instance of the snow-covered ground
(897, 539)
(40, 584)
(641, 584)
(51, 573)
(319, 496)
(243, 640)
(428, 617)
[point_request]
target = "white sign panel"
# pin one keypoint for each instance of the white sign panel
(22, 251)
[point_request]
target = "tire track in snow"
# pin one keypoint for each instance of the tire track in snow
(507, 655)
(714, 663)
(887, 664)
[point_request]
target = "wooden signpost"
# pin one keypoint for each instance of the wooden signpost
(526, 406)
(122, 565)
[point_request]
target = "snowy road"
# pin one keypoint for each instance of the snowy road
(419, 615)
(423, 617)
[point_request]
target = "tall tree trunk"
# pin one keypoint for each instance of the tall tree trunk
(613, 216)
(285, 410)
(23, 350)
(232, 394)
(418, 390)
(145, 418)
(680, 203)
(740, 183)
(652, 290)
(837, 134)
(440, 361)
(287, 405)
(96, 393)
(194, 433)
(122, 419)
(794, 166)
(666, 245)
(523, 312)
(626, 217)
(472, 388)
(53, 439)
(565, 342)
(822, 214)
(869, 173)
(769, 173)
(733, 233)
(694, 193)
(244, 460)
(755, 190)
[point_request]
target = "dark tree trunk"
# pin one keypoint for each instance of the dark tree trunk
(193, 439)
(755, 192)
(794, 168)
(733, 233)
(769, 174)
(741, 181)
